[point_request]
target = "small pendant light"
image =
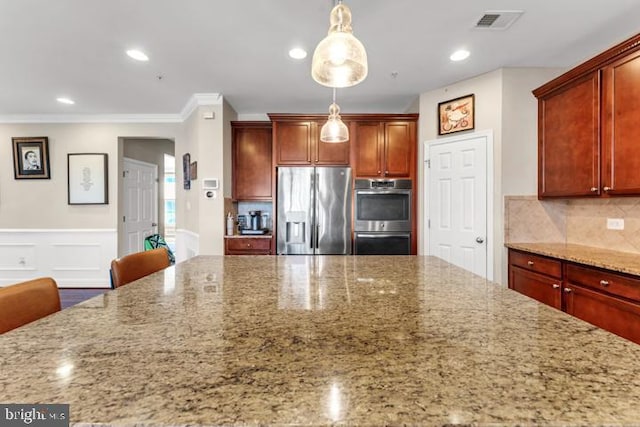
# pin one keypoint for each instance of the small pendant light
(340, 59)
(334, 130)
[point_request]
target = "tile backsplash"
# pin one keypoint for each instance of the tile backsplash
(577, 221)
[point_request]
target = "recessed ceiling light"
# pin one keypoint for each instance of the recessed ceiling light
(138, 55)
(459, 55)
(64, 100)
(298, 53)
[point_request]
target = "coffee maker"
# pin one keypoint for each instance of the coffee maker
(255, 220)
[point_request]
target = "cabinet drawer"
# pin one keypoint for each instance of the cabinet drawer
(605, 281)
(248, 245)
(607, 312)
(537, 286)
(539, 264)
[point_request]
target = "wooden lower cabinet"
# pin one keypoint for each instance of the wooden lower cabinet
(247, 246)
(604, 298)
(608, 312)
(537, 286)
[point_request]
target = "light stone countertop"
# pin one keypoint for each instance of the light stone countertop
(302, 340)
(624, 262)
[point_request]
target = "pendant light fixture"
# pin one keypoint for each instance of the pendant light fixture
(340, 59)
(334, 130)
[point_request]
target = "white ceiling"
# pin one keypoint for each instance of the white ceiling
(238, 48)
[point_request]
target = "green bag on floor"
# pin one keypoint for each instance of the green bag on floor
(156, 241)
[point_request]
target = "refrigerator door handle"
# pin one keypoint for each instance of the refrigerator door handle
(312, 237)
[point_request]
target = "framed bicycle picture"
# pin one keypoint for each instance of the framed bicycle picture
(31, 157)
(456, 115)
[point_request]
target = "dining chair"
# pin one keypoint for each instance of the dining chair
(134, 266)
(28, 301)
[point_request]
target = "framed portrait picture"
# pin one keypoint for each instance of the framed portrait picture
(31, 157)
(88, 178)
(186, 171)
(456, 115)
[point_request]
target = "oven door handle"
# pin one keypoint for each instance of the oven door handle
(378, 192)
(382, 235)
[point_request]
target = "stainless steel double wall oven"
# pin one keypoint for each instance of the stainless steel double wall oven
(382, 217)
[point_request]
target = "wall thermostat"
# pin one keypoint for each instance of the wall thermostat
(210, 184)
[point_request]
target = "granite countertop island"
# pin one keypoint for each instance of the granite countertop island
(301, 340)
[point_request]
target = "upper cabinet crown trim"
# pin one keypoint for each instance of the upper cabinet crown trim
(591, 65)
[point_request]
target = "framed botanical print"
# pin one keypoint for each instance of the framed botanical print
(31, 157)
(88, 179)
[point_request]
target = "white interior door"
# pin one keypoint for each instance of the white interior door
(140, 203)
(457, 201)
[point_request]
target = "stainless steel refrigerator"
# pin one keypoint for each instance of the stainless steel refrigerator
(314, 211)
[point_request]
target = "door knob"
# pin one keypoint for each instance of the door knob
(154, 224)
(479, 239)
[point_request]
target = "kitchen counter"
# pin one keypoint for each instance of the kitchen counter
(302, 340)
(624, 262)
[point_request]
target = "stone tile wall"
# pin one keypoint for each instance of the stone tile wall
(577, 221)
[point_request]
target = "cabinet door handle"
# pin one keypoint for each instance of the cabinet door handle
(594, 189)
(607, 188)
(530, 263)
(555, 286)
(379, 172)
(604, 282)
(567, 290)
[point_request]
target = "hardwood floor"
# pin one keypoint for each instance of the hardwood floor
(69, 297)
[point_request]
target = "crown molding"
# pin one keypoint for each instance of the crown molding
(91, 118)
(200, 99)
(196, 100)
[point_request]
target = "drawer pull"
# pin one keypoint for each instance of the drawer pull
(567, 290)
(555, 286)
(604, 282)
(530, 263)
(248, 245)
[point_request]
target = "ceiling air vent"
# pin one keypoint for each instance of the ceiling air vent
(498, 19)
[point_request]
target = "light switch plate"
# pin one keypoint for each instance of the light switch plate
(615, 223)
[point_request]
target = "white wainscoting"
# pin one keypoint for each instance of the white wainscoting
(187, 244)
(75, 258)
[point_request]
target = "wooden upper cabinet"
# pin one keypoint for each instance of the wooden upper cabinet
(385, 149)
(621, 127)
(330, 153)
(399, 149)
(292, 142)
(369, 148)
(587, 127)
(297, 142)
(251, 160)
(569, 139)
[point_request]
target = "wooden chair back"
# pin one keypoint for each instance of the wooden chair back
(134, 266)
(28, 301)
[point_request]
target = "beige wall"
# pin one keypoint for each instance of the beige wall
(520, 128)
(36, 204)
(209, 143)
(504, 104)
